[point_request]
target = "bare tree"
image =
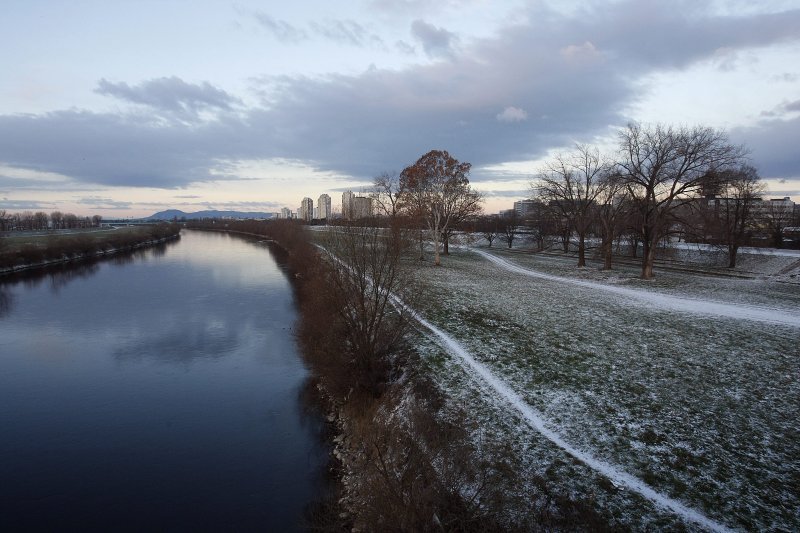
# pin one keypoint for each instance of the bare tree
(543, 224)
(25, 220)
(365, 274)
(610, 211)
(57, 219)
(509, 227)
(40, 219)
(489, 227)
(5, 220)
(70, 221)
(662, 167)
(571, 184)
(386, 193)
(740, 190)
(437, 189)
(463, 213)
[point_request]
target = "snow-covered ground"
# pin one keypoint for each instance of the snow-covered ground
(648, 400)
(662, 301)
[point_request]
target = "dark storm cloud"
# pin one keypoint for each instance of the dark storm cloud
(536, 86)
(172, 95)
(437, 42)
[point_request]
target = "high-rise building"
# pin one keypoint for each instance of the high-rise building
(306, 211)
(347, 205)
(324, 206)
(525, 207)
(286, 212)
(362, 207)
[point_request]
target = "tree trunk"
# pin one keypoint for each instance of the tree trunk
(581, 250)
(421, 246)
(446, 241)
(777, 237)
(732, 251)
(436, 259)
(607, 247)
(648, 258)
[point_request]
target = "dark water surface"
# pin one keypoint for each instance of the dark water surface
(155, 392)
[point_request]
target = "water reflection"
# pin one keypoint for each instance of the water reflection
(59, 275)
(155, 390)
(182, 344)
(6, 301)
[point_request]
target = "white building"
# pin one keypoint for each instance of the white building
(306, 211)
(347, 205)
(285, 213)
(324, 206)
(362, 207)
(525, 207)
(355, 207)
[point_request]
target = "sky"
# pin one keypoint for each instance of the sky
(127, 108)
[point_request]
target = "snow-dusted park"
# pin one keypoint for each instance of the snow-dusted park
(669, 403)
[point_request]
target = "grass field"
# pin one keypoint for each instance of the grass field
(703, 409)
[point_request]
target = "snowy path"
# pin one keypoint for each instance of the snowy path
(663, 301)
(537, 422)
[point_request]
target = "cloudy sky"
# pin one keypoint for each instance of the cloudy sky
(127, 108)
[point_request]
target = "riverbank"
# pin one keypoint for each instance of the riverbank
(403, 457)
(18, 254)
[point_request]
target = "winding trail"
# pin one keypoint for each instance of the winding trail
(662, 301)
(536, 421)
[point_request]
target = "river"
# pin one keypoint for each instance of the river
(155, 391)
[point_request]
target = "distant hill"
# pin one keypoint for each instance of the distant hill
(170, 214)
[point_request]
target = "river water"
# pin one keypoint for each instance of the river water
(157, 391)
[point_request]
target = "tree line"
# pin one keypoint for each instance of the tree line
(661, 182)
(61, 247)
(38, 221)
